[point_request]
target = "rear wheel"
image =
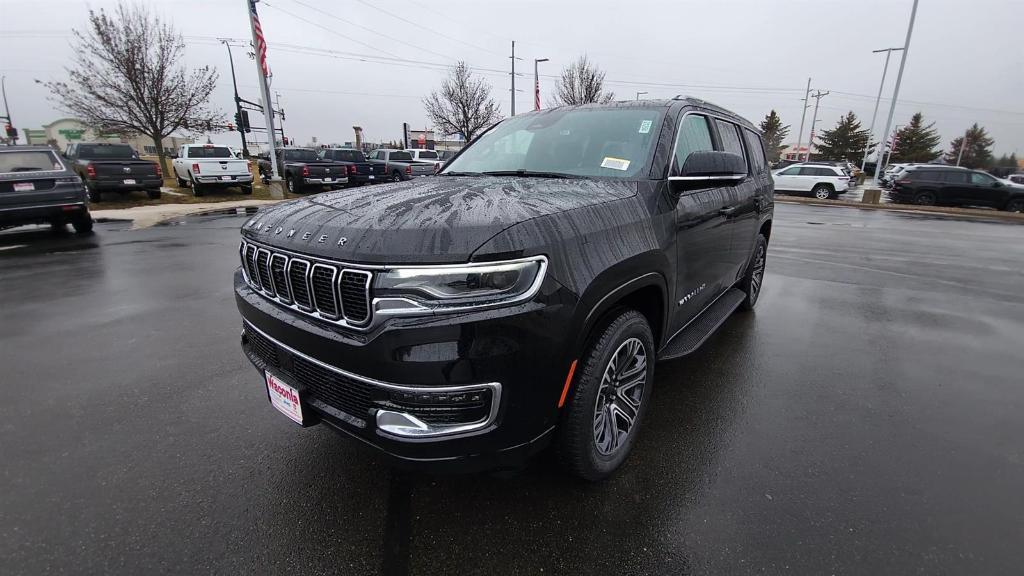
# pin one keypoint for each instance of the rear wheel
(247, 189)
(94, 194)
(294, 186)
(925, 199)
(182, 183)
(82, 223)
(1015, 205)
(396, 176)
(823, 192)
(153, 194)
(609, 398)
(754, 278)
(197, 188)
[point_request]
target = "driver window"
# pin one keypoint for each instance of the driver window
(792, 171)
(694, 136)
(979, 179)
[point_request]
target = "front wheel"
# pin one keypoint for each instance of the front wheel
(754, 277)
(822, 192)
(1015, 205)
(609, 397)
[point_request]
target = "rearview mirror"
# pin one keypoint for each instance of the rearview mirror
(708, 169)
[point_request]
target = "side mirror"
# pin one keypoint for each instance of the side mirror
(997, 184)
(709, 169)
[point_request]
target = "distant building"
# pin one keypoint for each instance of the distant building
(426, 139)
(789, 152)
(70, 131)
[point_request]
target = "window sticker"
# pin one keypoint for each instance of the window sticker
(645, 126)
(615, 163)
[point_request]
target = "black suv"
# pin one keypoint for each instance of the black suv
(522, 296)
(951, 186)
(36, 187)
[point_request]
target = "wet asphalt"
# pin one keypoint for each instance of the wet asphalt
(866, 418)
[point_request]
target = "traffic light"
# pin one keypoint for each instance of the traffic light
(284, 140)
(245, 121)
(12, 132)
(231, 127)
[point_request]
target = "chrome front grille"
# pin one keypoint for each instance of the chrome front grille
(327, 290)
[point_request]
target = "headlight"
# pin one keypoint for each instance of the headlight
(452, 288)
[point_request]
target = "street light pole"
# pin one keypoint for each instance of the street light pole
(803, 117)
(871, 130)
(513, 57)
(895, 132)
(281, 112)
(238, 104)
(7, 110)
(536, 83)
(899, 79)
(963, 144)
(638, 95)
(259, 45)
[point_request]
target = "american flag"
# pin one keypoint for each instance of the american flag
(536, 95)
(261, 42)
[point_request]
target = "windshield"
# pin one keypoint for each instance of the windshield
(399, 157)
(105, 152)
(587, 142)
(210, 152)
(428, 155)
(28, 161)
(300, 155)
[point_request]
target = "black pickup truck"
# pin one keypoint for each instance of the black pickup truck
(360, 171)
(302, 168)
(108, 167)
(521, 297)
(36, 187)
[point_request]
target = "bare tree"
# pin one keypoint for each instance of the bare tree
(463, 105)
(126, 79)
(581, 83)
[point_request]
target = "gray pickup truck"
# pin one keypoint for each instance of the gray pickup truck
(109, 167)
(399, 164)
(37, 187)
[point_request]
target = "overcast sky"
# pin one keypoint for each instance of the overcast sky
(965, 65)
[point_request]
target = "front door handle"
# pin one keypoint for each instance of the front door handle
(727, 211)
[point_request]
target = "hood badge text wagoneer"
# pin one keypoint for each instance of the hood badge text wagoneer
(258, 226)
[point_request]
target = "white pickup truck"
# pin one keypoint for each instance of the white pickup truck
(203, 166)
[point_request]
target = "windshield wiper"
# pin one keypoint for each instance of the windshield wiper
(531, 174)
(449, 173)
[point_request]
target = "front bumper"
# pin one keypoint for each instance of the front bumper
(349, 379)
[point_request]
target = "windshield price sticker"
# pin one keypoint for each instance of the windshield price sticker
(645, 126)
(615, 163)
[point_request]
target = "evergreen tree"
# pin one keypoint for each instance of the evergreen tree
(977, 151)
(774, 133)
(847, 141)
(916, 142)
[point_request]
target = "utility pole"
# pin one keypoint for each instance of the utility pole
(281, 112)
(238, 104)
(871, 131)
(899, 78)
(513, 57)
(803, 117)
(260, 46)
(536, 83)
(963, 144)
(810, 141)
(13, 133)
(638, 95)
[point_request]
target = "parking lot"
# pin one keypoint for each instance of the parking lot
(866, 418)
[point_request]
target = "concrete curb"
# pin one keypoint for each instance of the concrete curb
(908, 208)
(147, 216)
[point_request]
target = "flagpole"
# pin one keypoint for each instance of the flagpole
(260, 46)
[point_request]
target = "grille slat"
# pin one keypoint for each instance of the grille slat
(354, 287)
(278, 264)
(324, 295)
(326, 290)
(263, 270)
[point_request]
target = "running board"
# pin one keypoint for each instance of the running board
(687, 340)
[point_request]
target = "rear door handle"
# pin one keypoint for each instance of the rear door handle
(727, 211)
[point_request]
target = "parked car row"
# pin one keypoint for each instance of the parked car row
(931, 185)
(331, 168)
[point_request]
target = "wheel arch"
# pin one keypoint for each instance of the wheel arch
(646, 293)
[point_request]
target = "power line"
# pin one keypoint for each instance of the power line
(420, 25)
(325, 28)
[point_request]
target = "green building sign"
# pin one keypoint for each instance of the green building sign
(72, 133)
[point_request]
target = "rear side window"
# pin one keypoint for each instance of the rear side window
(694, 136)
(758, 161)
(28, 161)
(730, 139)
(428, 155)
(929, 175)
(400, 157)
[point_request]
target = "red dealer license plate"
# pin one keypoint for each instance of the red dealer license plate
(284, 397)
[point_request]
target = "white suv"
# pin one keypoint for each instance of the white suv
(822, 181)
(421, 155)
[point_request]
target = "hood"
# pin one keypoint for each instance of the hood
(428, 220)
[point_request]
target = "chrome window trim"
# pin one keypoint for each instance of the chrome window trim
(735, 177)
(287, 280)
(291, 285)
(446, 432)
(706, 114)
(334, 291)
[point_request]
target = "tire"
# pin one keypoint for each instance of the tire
(823, 192)
(182, 183)
(94, 194)
(1015, 205)
(247, 189)
(590, 442)
(58, 226)
(396, 176)
(754, 277)
(924, 199)
(197, 188)
(82, 224)
(153, 194)
(294, 186)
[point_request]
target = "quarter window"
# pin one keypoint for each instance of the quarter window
(757, 157)
(694, 136)
(730, 139)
